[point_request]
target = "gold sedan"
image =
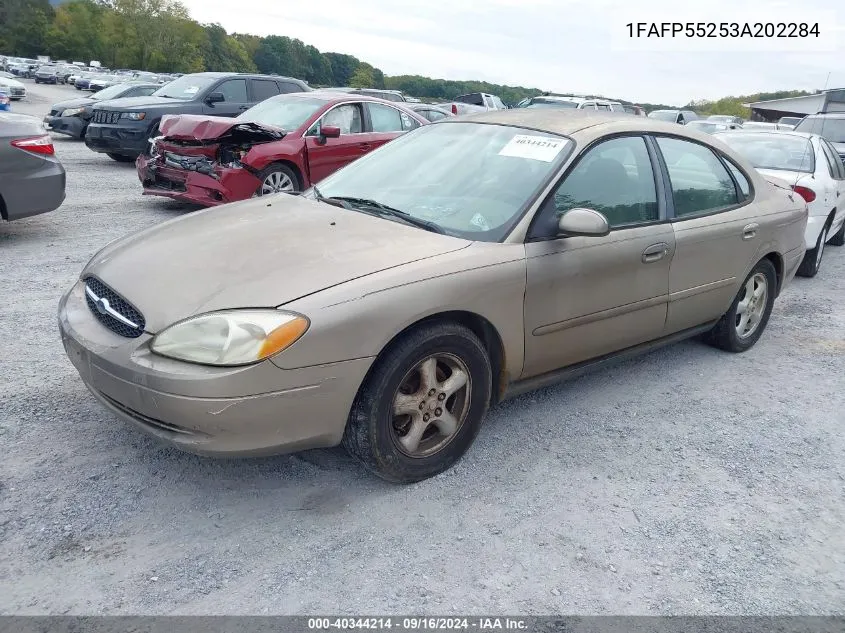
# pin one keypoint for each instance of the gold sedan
(389, 306)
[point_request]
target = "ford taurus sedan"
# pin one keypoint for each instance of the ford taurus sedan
(387, 308)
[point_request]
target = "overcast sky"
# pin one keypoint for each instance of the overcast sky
(558, 45)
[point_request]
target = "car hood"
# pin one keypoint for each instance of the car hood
(74, 103)
(192, 127)
(258, 253)
(135, 103)
(11, 83)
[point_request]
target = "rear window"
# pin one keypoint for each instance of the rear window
(551, 103)
(773, 150)
(473, 99)
(664, 115)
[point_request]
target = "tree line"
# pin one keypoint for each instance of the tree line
(160, 36)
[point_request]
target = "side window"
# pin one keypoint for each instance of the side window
(488, 102)
(614, 178)
(234, 90)
(408, 122)
(264, 89)
(700, 183)
(287, 87)
(603, 106)
(834, 163)
(347, 117)
(741, 180)
(498, 103)
(385, 118)
(433, 115)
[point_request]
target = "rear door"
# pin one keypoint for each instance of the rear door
(717, 231)
(837, 173)
(386, 123)
(263, 89)
(326, 155)
(235, 98)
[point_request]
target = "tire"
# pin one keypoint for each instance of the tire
(82, 133)
(812, 261)
(382, 441)
(120, 158)
(726, 335)
(286, 178)
(838, 238)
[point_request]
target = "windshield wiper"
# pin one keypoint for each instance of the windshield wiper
(383, 210)
(335, 202)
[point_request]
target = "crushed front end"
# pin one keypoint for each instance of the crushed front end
(204, 171)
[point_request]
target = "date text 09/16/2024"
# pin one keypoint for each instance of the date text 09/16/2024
(723, 29)
(480, 624)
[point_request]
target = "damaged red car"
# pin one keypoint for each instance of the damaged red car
(283, 144)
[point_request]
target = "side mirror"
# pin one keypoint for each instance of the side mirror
(215, 97)
(584, 222)
(329, 131)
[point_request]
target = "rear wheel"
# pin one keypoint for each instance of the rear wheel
(838, 238)
(743, 324)
(422, 404)
(812, 261)
(277, 179)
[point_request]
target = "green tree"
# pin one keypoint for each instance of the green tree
(223, 52)
(363, 77)
(24, 25)
(343, 67)
(76, 32)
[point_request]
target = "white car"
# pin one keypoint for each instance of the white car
(571, 101)
(14, 88)
(812, 168)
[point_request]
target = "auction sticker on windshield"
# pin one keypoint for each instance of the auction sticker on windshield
(542, 148)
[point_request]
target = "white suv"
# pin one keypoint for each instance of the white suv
(571, 101)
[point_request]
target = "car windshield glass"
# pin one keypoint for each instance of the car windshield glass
(663, 115)
(831, 129)
(551, 103)
(112, 92)
(773, 150)
(185, 88)
(284, 112)
(472, 180)
(790, 120)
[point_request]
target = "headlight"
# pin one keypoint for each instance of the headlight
(134, 116)
(72, 111)
(231, 337)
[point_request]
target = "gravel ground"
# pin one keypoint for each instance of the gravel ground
(687, 481)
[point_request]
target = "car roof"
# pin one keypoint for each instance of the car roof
(338, 95)
(566, 122)
(218, 75)
(828, 115)
(805, 135)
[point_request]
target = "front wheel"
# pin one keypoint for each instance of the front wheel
(838, 238)
(422, 404)
(120, 158)
(812, 261)
(277, 179)
(743, 324)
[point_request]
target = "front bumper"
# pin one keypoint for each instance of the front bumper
(71, 125)
(227, 184)
(117, 139)
(256, 410)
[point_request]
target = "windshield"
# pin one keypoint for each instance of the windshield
(831, 129)
(112, 92)
(185, 88)
(472, 180)
(551, 103)
(790, 120)
(284, 112)
(773, 150)
(663, 115)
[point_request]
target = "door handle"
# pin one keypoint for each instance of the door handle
(749, 232)
(244, 108)
(365, 147)
(655, 252)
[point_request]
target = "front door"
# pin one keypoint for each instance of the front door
(591, 296)
(387, 122)
(326, 155)
(717, 233)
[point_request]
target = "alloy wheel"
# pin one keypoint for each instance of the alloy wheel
(276, 182)
(752, 305)
(431, 405)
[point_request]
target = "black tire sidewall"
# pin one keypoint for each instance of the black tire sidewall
(376, 439)
(742, 344)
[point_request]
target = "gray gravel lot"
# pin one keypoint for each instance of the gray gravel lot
(687, 481)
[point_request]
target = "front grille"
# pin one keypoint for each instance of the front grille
(55, 112)
(18, 92)
(104, 116)
(107, 301)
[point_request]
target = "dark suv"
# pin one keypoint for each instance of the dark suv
(830, 126)
(122, 128)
